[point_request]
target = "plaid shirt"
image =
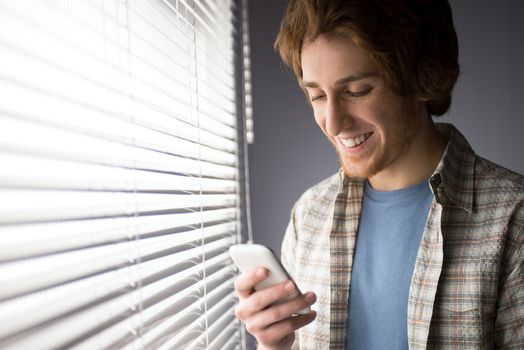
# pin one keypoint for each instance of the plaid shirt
(467, 289)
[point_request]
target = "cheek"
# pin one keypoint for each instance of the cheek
(319, 119)
(372, 111)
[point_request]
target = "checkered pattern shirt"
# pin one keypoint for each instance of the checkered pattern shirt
(467, 289)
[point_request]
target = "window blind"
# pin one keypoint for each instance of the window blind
(120, 174)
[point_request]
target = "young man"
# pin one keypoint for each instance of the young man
(417, 242)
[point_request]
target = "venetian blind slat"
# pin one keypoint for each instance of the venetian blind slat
(36, 240)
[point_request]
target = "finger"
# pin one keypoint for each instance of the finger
(273, 334)
(283, 311)
(247, 307)
(274, 294)
(245, 283)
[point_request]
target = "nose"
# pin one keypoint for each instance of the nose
(337, 116)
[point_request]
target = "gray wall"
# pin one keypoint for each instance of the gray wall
(290, 153)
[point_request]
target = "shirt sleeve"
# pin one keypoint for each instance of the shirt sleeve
(289, 244)
(509, 325)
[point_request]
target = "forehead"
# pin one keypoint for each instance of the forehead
(326, 60)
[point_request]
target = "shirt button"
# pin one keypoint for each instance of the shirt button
(435, 180)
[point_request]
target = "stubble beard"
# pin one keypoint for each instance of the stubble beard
(385, 155)
(352, 169)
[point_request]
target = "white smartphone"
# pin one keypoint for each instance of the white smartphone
(248, 256)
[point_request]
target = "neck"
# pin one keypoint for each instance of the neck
(416, 164)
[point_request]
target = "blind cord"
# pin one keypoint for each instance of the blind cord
(244, 115)
(206, 331)
(138, 262)
(247, 188)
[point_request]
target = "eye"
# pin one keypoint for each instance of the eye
(358, 93)
(317, 97)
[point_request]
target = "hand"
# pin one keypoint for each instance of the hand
(273, 325)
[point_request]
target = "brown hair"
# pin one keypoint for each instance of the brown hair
(412, 42)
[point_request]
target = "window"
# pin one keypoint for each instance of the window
(121, 173)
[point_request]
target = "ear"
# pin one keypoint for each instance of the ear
(422, 105)
(422, 99)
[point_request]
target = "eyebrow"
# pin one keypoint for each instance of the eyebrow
(342, 81)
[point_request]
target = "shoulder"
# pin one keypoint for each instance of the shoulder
(312, 212)
(319, 197)
(500, 192)
(490, 173)
(497, 184)
(325, 189)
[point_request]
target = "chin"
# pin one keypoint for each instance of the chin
(356, 172)
(364, 166)
(358, 166)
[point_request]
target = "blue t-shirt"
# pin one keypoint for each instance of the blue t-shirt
(391, 227)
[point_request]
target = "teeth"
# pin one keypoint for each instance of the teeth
(355, 141)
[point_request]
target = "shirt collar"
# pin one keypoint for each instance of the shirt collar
(454, 176)
(346, 182)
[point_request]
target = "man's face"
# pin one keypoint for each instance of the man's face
(370, 126)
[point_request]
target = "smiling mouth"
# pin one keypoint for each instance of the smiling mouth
(356, 141)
